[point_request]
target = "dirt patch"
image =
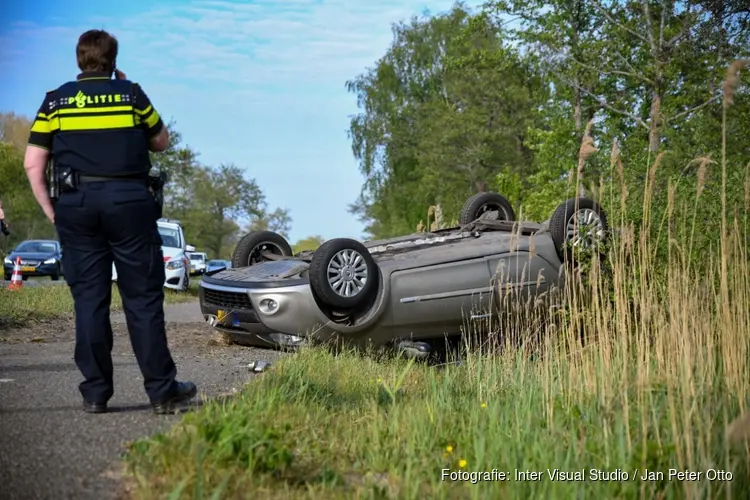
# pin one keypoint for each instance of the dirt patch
(63, 330)
(58, 329)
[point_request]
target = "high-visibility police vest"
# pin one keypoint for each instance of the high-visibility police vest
(98, 126)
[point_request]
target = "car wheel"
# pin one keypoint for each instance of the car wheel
(186, 282)
(343, 274)
(8, 277)
(486, 206)
(580, 223)
(56, 275)
(251, 247)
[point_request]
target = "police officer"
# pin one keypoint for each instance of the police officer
(98, 131)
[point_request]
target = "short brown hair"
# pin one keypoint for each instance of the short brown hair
(96, 51)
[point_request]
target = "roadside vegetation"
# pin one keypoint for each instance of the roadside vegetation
(647, 364)
(41, 301)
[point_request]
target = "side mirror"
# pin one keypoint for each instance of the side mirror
(189, 248)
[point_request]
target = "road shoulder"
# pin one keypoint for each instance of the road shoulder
(45, 434)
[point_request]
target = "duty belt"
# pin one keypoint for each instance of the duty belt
(99, 178)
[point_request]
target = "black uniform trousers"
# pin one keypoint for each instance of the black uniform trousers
(99, 223)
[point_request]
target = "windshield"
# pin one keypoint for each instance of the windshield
(216, 263)
(37, 247)
(197, 257)
(170, 237)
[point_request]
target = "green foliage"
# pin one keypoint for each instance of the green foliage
(444, 110)
(309, 243)
(23, 215)
(500, 99)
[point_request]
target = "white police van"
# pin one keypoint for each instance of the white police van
(175, 249)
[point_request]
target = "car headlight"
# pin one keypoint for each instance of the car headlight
(174, 264)
(8, 261)
(50, 261)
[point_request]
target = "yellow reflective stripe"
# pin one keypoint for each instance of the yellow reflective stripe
(41, 126)
(105, 109)
(144, 111)
(152, 120)
(70, 123)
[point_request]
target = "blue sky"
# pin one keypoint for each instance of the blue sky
(258, 84)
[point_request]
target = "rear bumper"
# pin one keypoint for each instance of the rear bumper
(194, 271)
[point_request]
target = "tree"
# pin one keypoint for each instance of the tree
(25, 218)
(309, 243)
(438, 120)
(14, 130)
(212, 203)
(278, 220)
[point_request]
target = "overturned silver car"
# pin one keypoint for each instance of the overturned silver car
(412, 288)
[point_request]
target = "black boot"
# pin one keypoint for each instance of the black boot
(182, 392)
(91, 407)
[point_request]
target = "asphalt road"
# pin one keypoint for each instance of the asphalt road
(50, 448)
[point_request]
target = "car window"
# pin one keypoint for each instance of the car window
(170, 237)
(37, 247)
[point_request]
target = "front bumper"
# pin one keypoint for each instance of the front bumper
(174, 278)
(40, 270)
(262, 310)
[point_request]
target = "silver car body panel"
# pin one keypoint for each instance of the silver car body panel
(430, 284)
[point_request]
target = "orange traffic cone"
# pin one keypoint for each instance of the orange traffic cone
(16, 281)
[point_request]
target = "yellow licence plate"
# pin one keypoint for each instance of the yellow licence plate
(28, 269)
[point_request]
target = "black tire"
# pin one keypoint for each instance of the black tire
(56, 275)
(8, 277)
(337, 249)
(247, 251)
(480, 203)
(563, 215)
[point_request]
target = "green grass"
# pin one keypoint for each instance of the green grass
(48, 301)
(324, 426)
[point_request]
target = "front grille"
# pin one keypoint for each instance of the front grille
(30, 263)
(229, 300)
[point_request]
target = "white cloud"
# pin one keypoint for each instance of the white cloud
(268, 42)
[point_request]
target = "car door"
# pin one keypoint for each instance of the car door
(439, 299)
(517, 277)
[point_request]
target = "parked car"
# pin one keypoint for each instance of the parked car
(197, 263)
(38, 258)
(216, 264)
(419, 287)
(174, 248)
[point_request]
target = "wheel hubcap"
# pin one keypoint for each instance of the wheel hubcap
(347, 273)
(256, 254)
(585, 228)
